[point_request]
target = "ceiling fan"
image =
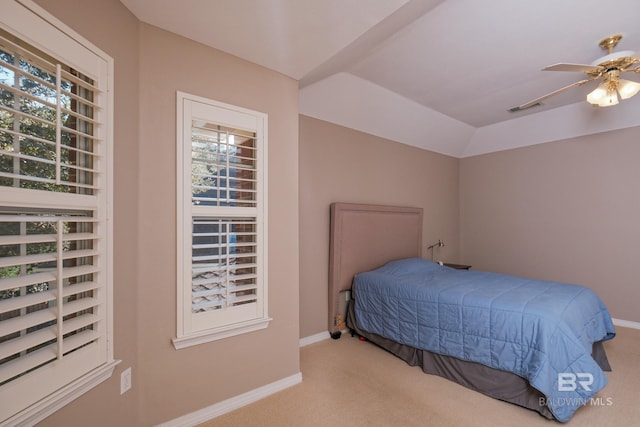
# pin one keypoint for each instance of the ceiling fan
(608, 68)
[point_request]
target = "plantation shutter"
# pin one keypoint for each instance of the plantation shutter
(54, 250)
(223, 263)
(50, 295)
(221, 226)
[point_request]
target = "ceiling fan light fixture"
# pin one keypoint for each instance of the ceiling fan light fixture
(609, 100)
(603, 95)
(597, 95)
(612, 89)
(627, 88)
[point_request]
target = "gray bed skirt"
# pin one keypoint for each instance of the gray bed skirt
(492, 382)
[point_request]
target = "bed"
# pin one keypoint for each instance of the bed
(532, 343)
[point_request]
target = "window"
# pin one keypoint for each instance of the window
(222, 280)
(55, 232)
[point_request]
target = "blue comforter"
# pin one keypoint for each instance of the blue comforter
(542, 331)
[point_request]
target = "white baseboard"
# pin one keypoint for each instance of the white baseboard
(314, 338)
(221, 408)
(318, 337)
(626, 323)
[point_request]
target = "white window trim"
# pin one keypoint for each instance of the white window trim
(185, 336)
(45, 407)
(34, 24)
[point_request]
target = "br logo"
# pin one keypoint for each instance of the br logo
(568, 381)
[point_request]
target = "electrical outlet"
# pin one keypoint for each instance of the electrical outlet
(125, 380)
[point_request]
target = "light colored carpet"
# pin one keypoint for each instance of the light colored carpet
(352, 383)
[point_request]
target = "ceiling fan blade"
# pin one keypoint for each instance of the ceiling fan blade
(573, 67)
(549, 95)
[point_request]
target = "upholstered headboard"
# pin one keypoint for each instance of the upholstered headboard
(364, 237)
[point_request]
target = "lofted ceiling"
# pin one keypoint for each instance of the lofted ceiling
(437, 74)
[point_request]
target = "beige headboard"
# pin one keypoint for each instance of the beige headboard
(364, 237)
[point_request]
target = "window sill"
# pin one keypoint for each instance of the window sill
(42, 409)
(220, 333)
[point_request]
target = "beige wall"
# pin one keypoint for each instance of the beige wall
(178, 382)
(565, 211)
(342, 165)
(150, 66)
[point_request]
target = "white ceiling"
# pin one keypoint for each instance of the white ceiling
(436, 74)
